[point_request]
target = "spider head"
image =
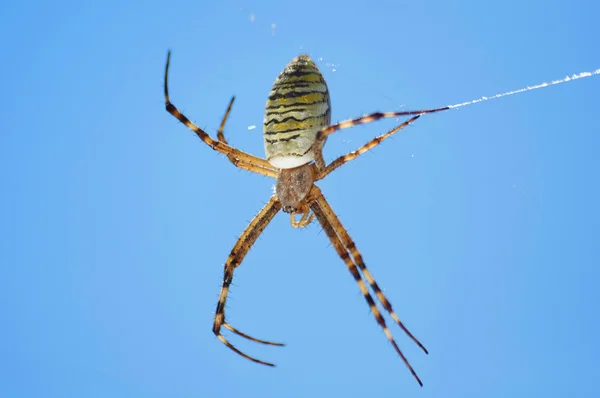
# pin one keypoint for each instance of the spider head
(293, 185)
(289, 209)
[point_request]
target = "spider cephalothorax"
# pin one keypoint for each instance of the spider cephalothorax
(296, 125)
(293, 185)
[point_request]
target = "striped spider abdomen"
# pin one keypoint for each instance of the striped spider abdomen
(297, 108)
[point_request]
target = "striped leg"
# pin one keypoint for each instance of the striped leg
(216, 145)
(369, 145)
(270, 172)
(239, 251)
(347, 251)
(323, 133)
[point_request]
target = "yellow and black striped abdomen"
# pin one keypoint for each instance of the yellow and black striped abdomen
(297, 108)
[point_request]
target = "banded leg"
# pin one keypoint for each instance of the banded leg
(347, 251)
(351, 247)
(324, 132)
(215, 145)
(369, 145)
(271, 172)
(239, 251)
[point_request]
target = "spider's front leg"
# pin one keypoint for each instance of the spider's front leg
(239, 251)
(348, 252)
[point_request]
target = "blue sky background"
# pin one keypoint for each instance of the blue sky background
(480, 223)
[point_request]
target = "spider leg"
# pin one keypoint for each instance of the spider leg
(369, 145)
(240, 333)
(216, 145)
(319, 163)
(220, 135)
(239, 251)
(256, 169)
(324, 132)
(351, 247)
(270, 172)
(347, 251)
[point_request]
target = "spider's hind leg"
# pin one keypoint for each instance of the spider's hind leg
(322, 134)
(270, 172)
(323, 172)
(240, 159)
(220, 135)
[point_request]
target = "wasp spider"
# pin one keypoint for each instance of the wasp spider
(296, 126)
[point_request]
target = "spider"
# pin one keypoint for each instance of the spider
(296, 126)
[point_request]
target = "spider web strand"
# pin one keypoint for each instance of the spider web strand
(529, 88)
